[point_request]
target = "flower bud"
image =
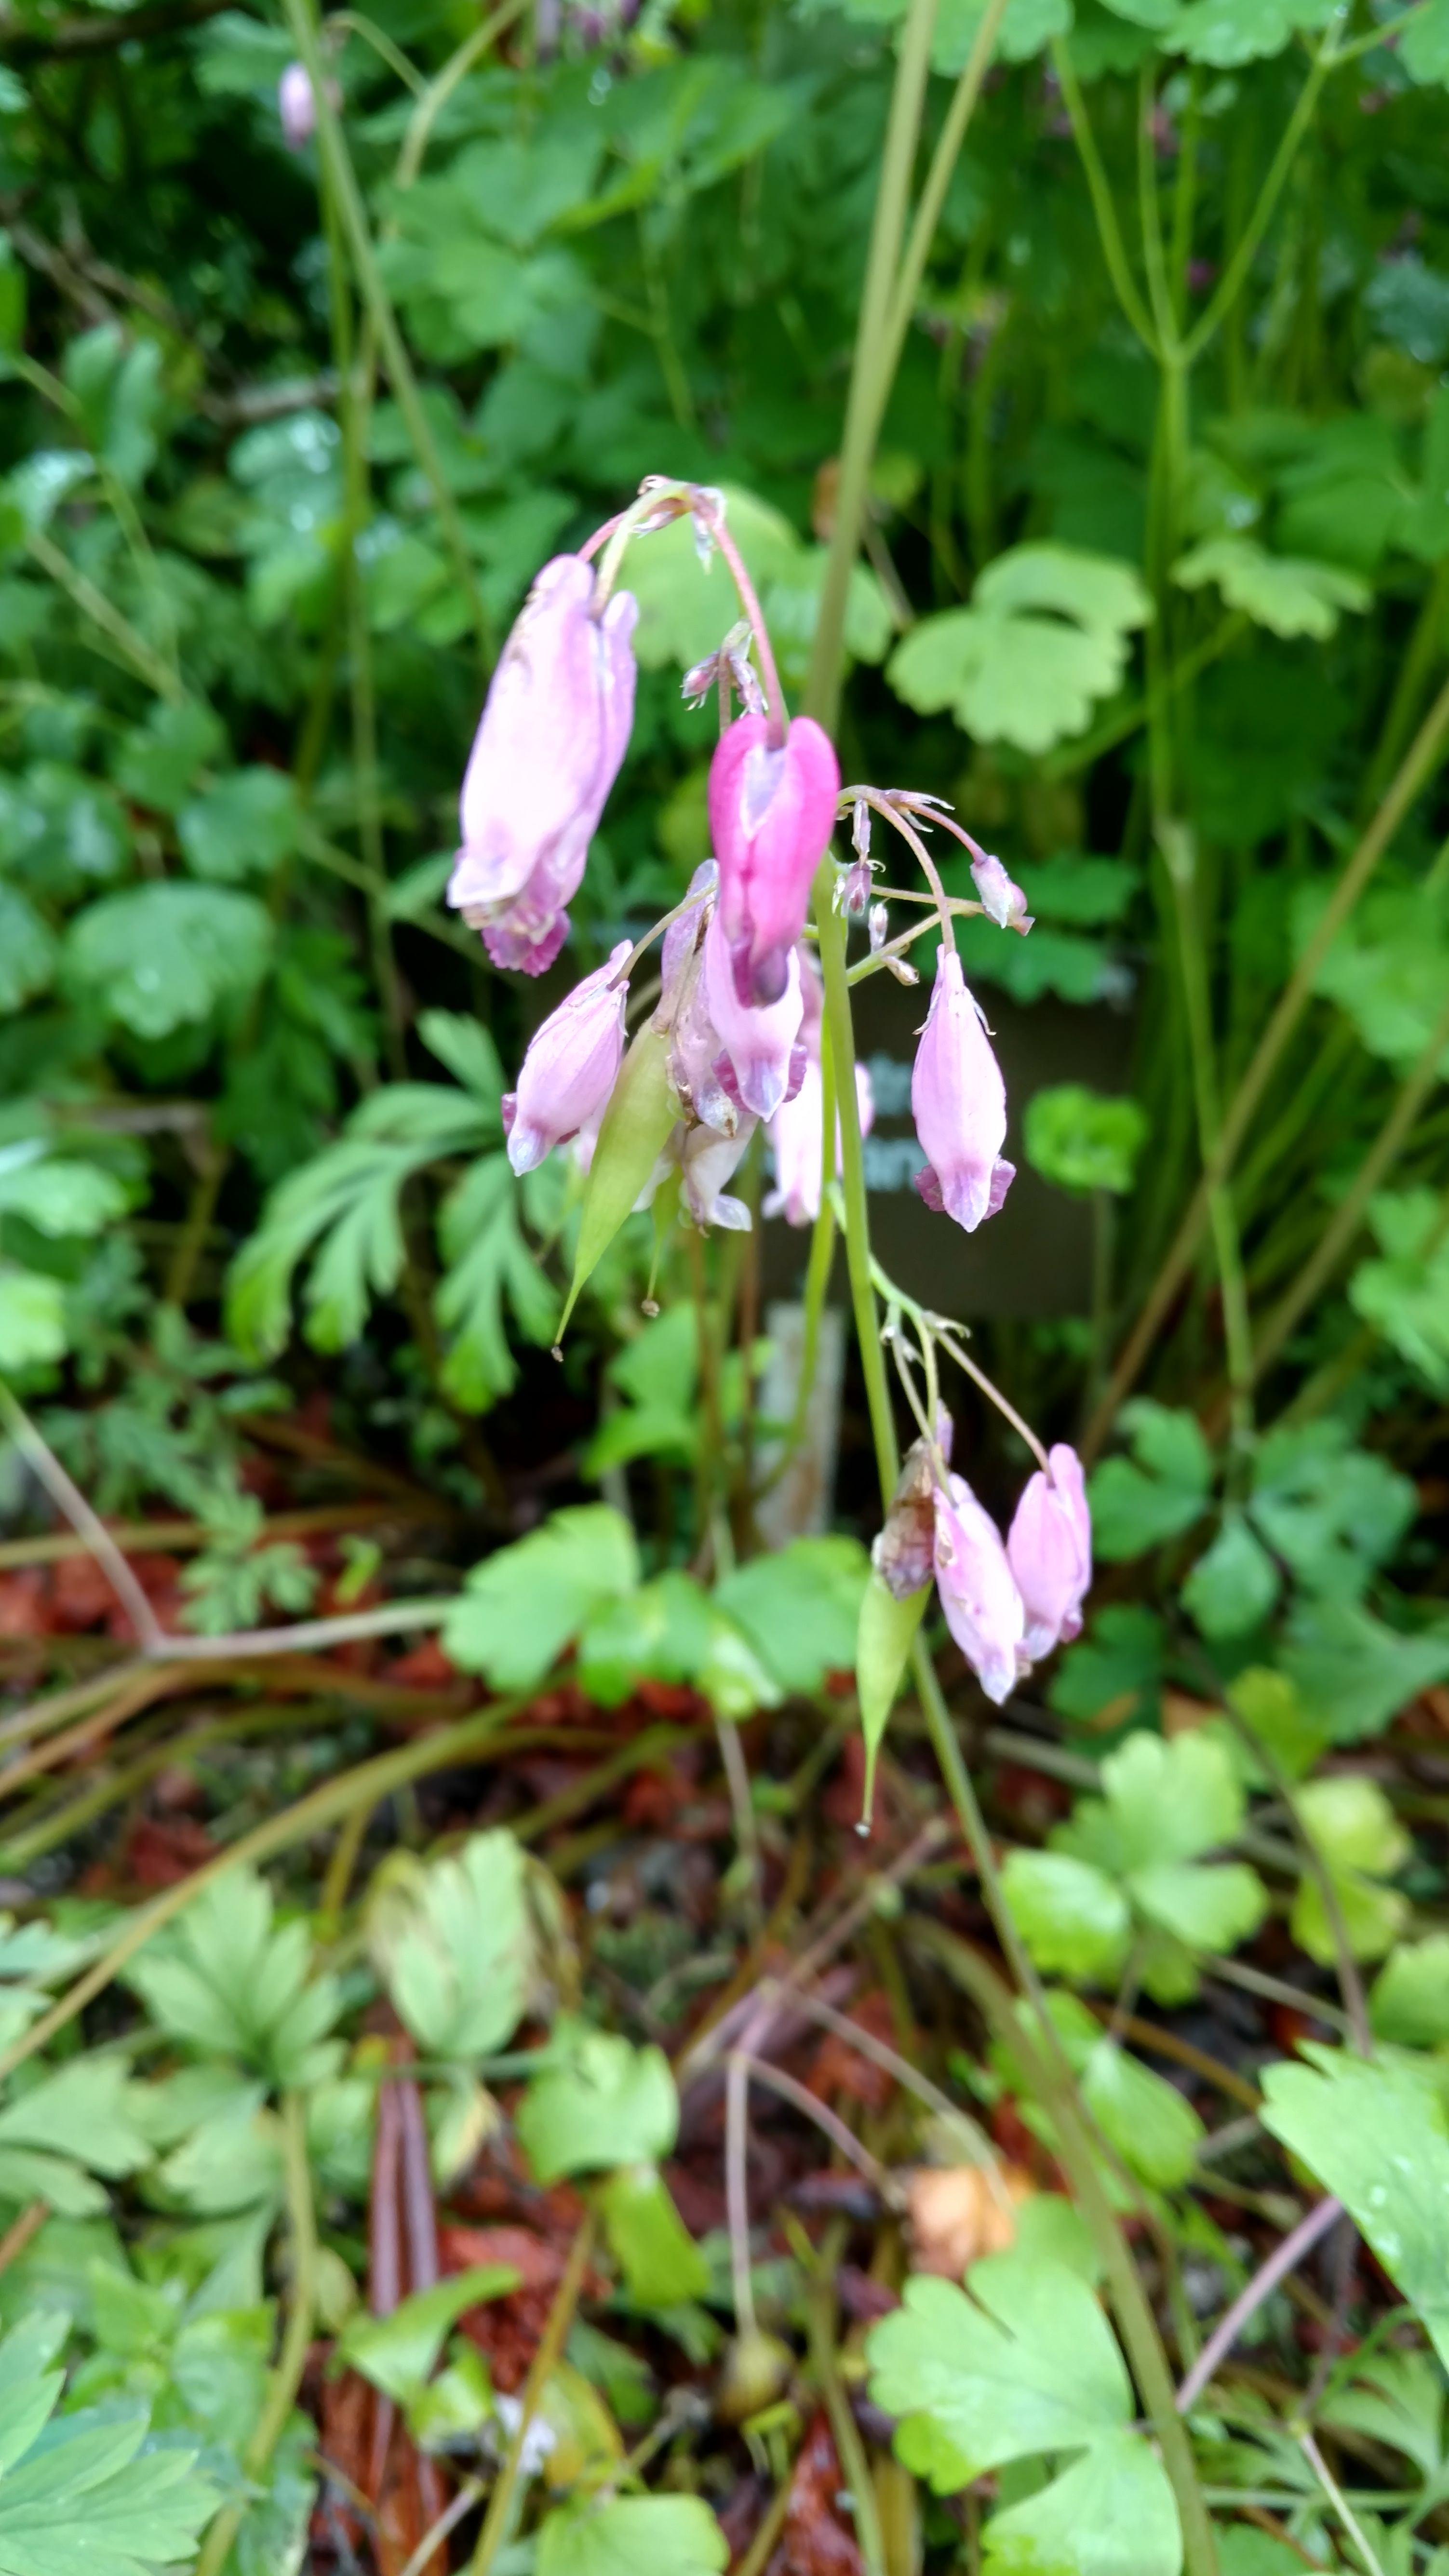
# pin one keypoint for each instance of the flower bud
(570, 1068)
(547, 751)
(1049, 1547)
(296, 106)
(771, 812)
(978, 1591)
(852, 889)
(797, 1135)
(758, 1042)
(1003, 902)
(958, 1101)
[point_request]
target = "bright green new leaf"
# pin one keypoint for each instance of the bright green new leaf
(79, 2491)
(227, 1983)
(1286, 593)
(664, 1632)
(1019, 2364)
(32, 1318)
(633, 1135)
(1349, 1821)
(1082, 1140)
(1073, 1919)
(1146, 2119)
(1046, 636)
(1409, 1998)
(1375, 2138)
(1138, 1505)
(164, 956)
(1167, 1799)
(398, 2352)
(454, 1946)
(59, 1197)
(598, 2103)
(83, 2111)
(733, 1677)
(523, 1605)
(660, 2260)
(1424, 44)
(659, 2535)
(1209, 1908)
(883, 1642)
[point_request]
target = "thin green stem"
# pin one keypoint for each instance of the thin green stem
(438, 92)
(933, 194)
(1249, 241)
(375, 296)
(286, 2379)
(136, 654)
(1099, 190)
(1154, 258)
(1178, 847)
(545, 2359)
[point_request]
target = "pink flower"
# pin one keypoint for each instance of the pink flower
(958, 1101)
(296, 107)
(570, 1068)
(796, 1135)
(547, 751)
(758, 1043)
(1049, 1547)
(1003, 902)
(771, 812)
(983, 1607)
(708, 1161)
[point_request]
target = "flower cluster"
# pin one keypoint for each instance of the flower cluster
(1007, 1602)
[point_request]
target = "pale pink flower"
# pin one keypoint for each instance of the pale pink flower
(570, 1069)
(984, 1610)
(1049, 1547)
(958, 1101)
(707, 1161)
(796, 1133)
(1002, 901)
(771, 812)
(296, 106)
(759, 1042)
(548, 748)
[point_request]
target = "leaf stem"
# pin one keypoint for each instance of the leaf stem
(286, 2379)
(1284, 2259)
(550, 2347)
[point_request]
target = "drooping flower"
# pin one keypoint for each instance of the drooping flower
(958, 1101)
(758, 1041)
(984, 1610)
(707, 1161)
(296, 106)
(771, 811)
(570, 1069)
(1049, 1548)
(1003, 902)
(796, 1133)
(549, 743)
(904, 1550)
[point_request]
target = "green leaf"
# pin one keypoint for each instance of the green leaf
(1073, 1919)
(1166, 1800)
(664, 1632)
(158, 761)
(1405, 1296)
(398, 2352)
(225, 1981)
(884, 1638)
(490, 1267)
(164, 956)
(1332, 1511)
(32, 1319)
(80, 2491)
(1207, 1908)
(244, 826)
(1349, 1820)
(1137, 1506)
(1375, 2138)
(733, 1678)
(1083, 1141)
(1225, 33)
(1026, 27)
(1234, 1586)
(1026, 2365)
(27, 950)
(1288, 594)
(1353, 1672)
(454, 1947)
(83, 2111)
(1396, 2397)
(1424, 44)
(633, 2536)
(1145, 2118)
(1409, 1998)
(1045, 637)
(1118, 1667)
(660, 2260)
(800, 1608)
(1388, 967)
(598, 2103)
(522, 1606)
(59, 1197)
(635, 1130)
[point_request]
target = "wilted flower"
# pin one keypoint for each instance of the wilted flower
(758, 1043)
(852, 889)
(796, 1133)
(1049, 1547)
(983, 1607)
(570, 1068)
(548, 748)
(296, 106)
(958, 1101)
(1003, 902)
(771, 811)
(904, 1551)
(707, 1161)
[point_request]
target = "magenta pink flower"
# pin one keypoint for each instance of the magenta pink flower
(797, 1135)
(983, 1607)
(759, 1042)
(771, 812)
(1003, 902)
(958, 1101)
(547, 751)
(570, 1068)
(1049, 1548)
